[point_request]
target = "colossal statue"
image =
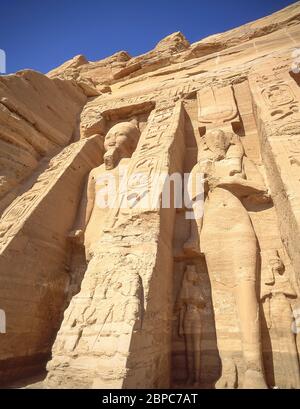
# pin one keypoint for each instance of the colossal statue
(96, 281)
(103, 184)
(226, 237)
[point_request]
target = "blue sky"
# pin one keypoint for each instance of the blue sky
(43, 34)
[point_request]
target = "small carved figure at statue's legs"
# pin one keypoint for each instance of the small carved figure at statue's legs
(281, 316)
(197, 353)
(245, 258)
(193, 342)
(189, 358)
(190, 303)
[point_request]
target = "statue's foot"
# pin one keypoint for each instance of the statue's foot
(254, 379)
(225, 382)
(192, 247)
(228, 378)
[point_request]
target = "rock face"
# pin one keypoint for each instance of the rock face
(38, 117)
(106, 272)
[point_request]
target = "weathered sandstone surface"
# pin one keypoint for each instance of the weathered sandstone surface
(130, 293)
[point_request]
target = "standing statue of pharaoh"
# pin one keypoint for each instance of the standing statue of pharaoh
(225, 235)
(102, 186)
(103, 181)
(190, 304)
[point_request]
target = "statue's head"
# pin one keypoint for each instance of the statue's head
(120, 142)
(218, 142)
(191, 274)
(275, 263)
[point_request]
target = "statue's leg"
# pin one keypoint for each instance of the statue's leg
(228, 379)
(244, 257)
(229, 243)
(189, 357)
(219, 261)
(197, 357)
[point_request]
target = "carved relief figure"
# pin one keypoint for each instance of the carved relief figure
(129, 296)
(190, 304)
(277, 293)
(228, 242)
(120, 142)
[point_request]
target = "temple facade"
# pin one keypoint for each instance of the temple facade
(150, 215)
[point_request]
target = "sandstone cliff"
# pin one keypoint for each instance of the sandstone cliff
(98, 292)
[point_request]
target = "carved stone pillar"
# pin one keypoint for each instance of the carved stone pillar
(117, 330)
(34, 255)
(276, 98)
